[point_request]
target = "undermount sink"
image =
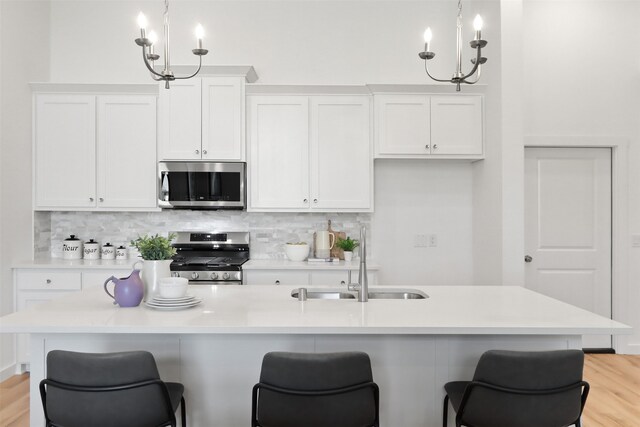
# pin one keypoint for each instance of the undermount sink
(397, 294)
(374, 293)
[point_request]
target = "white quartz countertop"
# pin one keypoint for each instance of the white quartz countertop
(252, 264)
(261, 309)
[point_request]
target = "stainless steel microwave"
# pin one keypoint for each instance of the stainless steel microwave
(202, 185)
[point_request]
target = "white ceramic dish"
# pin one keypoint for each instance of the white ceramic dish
(173, 306)
(172, 287)
(296, 252)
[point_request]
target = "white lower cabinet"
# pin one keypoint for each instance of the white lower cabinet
(332, 278)
(35, 286)
(276, 277)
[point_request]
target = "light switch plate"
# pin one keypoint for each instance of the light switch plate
(635, 240)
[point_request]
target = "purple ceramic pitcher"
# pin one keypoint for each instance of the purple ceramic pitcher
(127, 291)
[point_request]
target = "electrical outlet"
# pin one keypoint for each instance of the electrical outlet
(421, 241)
(433, 240)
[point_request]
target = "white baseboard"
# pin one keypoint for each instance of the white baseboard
(8, 372)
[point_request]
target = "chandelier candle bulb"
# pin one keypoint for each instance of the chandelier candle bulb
(199, 35)
(477, 25)
(427, 39)
(153, 38)
(142, 23)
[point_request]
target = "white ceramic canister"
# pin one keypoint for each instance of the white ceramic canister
(72, 248)
(91, 249)
(108, 251)
(121, 252)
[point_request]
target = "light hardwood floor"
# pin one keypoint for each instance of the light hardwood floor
(614, 399)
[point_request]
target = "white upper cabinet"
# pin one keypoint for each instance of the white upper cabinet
(310, 153)
(456, 125)
(65, 151)
(402, 124)
(341, 158)
(223, 118)
(279, 152)
(428, 126)
(94, 151)
(203, 119)
(126, 151)
(180, 120)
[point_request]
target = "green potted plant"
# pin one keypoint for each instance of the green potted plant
(347, 245)
(156, 252)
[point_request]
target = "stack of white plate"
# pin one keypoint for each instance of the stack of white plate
(159, 303)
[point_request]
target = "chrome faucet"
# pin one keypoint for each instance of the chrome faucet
(362, 287)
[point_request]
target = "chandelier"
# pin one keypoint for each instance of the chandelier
(477, 43)
(148, 53)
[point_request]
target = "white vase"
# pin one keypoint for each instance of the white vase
(152, 271)
(348, 256)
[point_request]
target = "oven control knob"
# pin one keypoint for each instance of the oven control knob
(225, 276)
(214, 276)
(194, 275)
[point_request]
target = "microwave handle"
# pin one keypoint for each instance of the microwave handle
(165, 187)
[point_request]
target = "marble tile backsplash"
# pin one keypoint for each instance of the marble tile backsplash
(269, 231)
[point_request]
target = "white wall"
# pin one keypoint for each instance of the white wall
(583, 79)
(22, 24)
(423, 197)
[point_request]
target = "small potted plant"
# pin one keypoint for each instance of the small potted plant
(347, 245)
(156, 251)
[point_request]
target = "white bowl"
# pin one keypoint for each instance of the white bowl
(296, 252)
(172, 287)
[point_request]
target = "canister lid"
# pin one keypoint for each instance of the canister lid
(121, 247)
(72, 237)
(92, 241)
(108, 244)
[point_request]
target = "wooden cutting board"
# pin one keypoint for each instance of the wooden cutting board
(336, 252)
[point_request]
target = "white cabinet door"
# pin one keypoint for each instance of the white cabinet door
(279, 152)
(64, 169)
(127, 151)
(222, 118)
(456, 125)
(402, 125)
(334, 279)
(276, 277)
(180, 120)
(341, 157)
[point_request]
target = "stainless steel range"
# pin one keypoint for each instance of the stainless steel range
(210, 258)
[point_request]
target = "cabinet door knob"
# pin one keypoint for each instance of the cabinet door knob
(528, 258)
(101, 199)
(197, 151)
(277, 282)
(48, 281)
(426, 146)
(305, 200)
(435, 146)
(204, 152)
(91, 199)
(342, 282)
(315, 200)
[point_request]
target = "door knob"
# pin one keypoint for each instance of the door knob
(527, 258)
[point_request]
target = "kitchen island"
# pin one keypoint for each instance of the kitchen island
(216, 348)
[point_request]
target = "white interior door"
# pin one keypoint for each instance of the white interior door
(568, 228)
